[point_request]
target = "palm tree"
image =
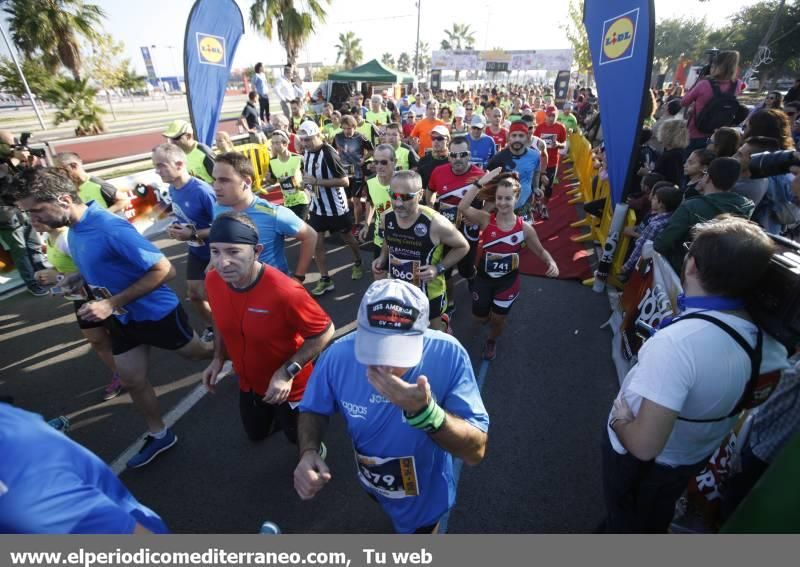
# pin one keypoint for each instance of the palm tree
(388, 59)
(349, 49)
(404, 62)
(75, 100)
(294, 26)
(459, 37)
(424, 58)
(51, 30)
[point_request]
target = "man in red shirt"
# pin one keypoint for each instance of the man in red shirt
(266, 323)
(554, 135)
(446, 187)
(496, 130)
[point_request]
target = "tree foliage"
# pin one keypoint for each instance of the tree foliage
(293, 21)
(576, 35)
(349, 50)
(75, 101)
(129, 81)
(51, 30)
(676, 37)
(460, 36)
(404, 62)
(103, 61)
(38, 77)
(388, 59)
(424, 58)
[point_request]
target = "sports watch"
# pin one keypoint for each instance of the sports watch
(440, 269)
(293, 369)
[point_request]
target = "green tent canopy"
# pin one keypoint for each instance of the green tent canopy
(372, 72)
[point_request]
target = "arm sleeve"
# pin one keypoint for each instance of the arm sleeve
(319, 397)
(127, 243)
(674, 233)
(309, 318)
(413, 159)
(694, 93)
(463, 398)
(334, 162)
(666, 373)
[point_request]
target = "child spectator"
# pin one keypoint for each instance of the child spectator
(665, 199)
(694, 169)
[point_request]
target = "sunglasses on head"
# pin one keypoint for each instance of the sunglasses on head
(404, 196)
(457, 155)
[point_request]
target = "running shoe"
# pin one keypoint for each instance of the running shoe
(37, 291)
(208, 335)
(322, 287)
(113, 389)
(60, 423)
(490, 350)
(358, 272)
(151, 449)
(545, 213)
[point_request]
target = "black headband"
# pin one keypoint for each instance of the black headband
(231, 231)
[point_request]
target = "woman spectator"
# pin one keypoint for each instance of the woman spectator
(723, 71)
(224, 142)
(725, 141)
(770, 123)
(674, 137)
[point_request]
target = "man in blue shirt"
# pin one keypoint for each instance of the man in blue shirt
(193, 203)
(127, 277)
(233, 178)
(526, 161)
(481, 147)
(410, 401)
(260, 86)
(51, 485)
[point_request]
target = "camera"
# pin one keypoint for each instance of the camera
(769, 164)
(712, 54)
(22, 145)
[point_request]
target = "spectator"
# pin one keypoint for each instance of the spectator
(717, 198)
(792, 110)
(773, 124)
(725, 141)
(260, 86)
(753, 189)
(678, 403)
(793, 94)
(250, 121)
(723, 71)
(672, 112)
(694, 169)
(224, 142)
(663, 203)
(674, 138)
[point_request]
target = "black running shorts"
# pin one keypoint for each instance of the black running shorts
(170, 333)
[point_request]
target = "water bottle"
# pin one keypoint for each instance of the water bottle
(269, 528)
(60, 423)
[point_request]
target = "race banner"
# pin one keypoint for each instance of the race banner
(213, 32)
(650, 295)
(516, 60)
(620, 36)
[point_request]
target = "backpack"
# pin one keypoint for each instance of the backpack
(759, 386)
(722, 110)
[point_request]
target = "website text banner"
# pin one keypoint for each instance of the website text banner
(524, 60)
(391, 551)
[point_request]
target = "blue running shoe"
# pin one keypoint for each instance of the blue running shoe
(152, 448)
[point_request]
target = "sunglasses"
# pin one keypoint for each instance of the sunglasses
(404, 196)
(458, 155)
(382, 162)
(438, 138)
(176, 138)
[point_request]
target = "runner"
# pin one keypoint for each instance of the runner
(333, 127)
(415, 240)
(481, 147)
(267, 325)
(286, 171)
(503, 235)
(379, 199)
(423, 129)
(199, 157)
(377, 115)
(526, 162)
(432, 410)
(193, 203)
(555, 136)
(568, 119)
(326, 178)
(91, 188)
(126, 274)
(63, 279)
(496, 130)
(447, 186)
(407, 158)
(354, 149)
(234, 174)
(439, 154)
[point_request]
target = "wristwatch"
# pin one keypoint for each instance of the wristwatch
(293, 368)
(440, 269)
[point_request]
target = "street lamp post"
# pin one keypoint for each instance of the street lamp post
(22, 76)
(416, 51)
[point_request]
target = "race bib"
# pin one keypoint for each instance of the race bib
(406, 270)
(549, 140)
(450, 213)
(498, 265)
(349, 169)
(287, 185)
(472, 232)
(100, 292)
(393, 477)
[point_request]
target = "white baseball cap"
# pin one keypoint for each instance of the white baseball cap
(441, 130)
(392, 319)
(308, 129)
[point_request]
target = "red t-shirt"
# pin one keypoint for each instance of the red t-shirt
(407, 129)
(451, 188)
(500, 138)
(264, 325)
(551, 134)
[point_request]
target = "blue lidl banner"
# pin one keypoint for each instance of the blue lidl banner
(620, 34)
(213, 32)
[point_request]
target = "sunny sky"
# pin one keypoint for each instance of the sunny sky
(162, 23)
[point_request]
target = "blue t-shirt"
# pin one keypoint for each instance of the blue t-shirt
(481, 150)
(111, 255)
(274, 222)
(415, 464)
(526, 165)
(194, 204)
(50, 484)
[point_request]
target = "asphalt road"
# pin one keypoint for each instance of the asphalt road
(547, 394)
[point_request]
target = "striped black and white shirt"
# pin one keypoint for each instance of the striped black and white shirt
(325, 163)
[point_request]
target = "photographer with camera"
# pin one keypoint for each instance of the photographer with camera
(16, 232)
(713, 98)
(692, 379)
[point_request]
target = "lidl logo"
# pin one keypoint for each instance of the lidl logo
(619, 37)
(211, 49)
